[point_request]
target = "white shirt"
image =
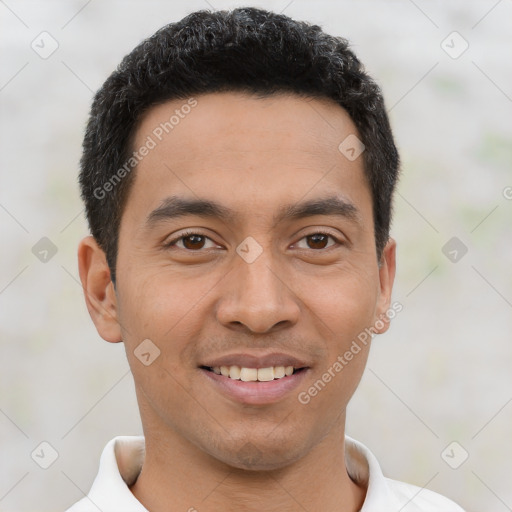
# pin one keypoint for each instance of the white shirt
(110, 491)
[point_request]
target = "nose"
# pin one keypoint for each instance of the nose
(258, 298)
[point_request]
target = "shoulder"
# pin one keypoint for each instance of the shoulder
(419, 499)
(120, 464)
(385, 494)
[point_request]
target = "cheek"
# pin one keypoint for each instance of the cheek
(343, 303)
(160, 304)
(172, 312)
(160, 317)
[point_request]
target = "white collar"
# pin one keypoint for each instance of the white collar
(123, 456)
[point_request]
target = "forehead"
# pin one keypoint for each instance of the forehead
(301, 122)
(232, 145)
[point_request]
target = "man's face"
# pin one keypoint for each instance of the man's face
(269, 284)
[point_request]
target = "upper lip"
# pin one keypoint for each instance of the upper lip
(256, 361)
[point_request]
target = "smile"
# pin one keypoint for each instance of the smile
(254, 386)
(253, 374)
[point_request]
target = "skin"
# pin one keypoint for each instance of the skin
(202, 301)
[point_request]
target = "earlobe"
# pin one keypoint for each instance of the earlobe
(98, 288)
(387, 269)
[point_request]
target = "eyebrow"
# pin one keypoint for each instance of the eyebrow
(174, 207)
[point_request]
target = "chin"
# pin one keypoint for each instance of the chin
(258, 456)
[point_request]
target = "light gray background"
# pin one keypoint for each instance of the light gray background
(441, 374)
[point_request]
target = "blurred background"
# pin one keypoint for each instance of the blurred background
(435, 404)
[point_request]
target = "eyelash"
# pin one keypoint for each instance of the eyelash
(186, 234)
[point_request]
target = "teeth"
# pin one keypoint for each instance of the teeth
(234, 372)
(279, 372)
(248, 374)
(265, 374)
(254, 374)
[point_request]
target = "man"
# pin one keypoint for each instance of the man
(238, 172)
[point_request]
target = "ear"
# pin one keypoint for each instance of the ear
(387, 269)
(99, 292)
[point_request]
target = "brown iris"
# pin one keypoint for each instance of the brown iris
(317, 241)
(194, 241)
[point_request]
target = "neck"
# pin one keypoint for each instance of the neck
(178, 473)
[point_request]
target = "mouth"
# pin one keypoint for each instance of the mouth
(250, 380)
(246, 374)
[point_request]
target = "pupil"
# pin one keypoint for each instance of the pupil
(193, 241)
(318, 241)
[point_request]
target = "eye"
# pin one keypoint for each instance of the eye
(191, 241)
(318, 241)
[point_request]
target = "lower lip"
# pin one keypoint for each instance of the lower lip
(256, 393)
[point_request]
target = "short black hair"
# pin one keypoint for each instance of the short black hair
(244, 50)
